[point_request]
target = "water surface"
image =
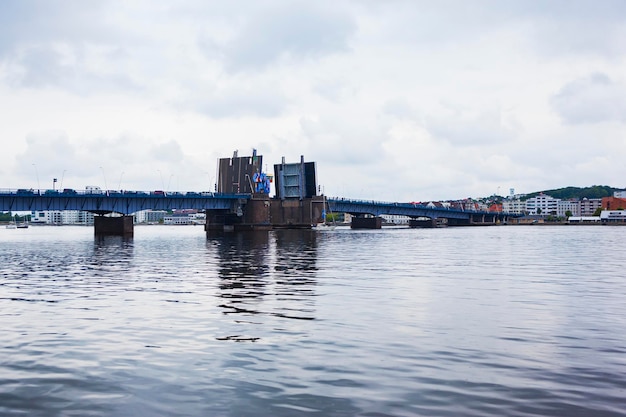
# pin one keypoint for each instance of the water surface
(516, 321)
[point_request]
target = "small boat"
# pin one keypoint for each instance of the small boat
(324, 225)
(11, 225)
(22, 225)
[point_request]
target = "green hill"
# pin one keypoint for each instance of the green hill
(595, 191)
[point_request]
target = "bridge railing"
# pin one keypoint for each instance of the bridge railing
(22, 192)
(342, 200)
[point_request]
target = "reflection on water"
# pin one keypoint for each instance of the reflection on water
(446, 322)
(265, 273)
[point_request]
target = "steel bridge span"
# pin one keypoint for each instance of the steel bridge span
(362, 208)
(123, 204)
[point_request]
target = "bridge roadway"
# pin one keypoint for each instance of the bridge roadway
(377, 208)
(128, 202)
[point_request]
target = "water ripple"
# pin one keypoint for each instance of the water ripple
(446, 322)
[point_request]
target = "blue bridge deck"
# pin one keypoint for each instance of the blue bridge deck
(126, 202)
(129, 202)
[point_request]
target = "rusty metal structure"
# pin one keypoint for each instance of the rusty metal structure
(296, 204)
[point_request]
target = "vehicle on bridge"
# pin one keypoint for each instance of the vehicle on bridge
(93, 189)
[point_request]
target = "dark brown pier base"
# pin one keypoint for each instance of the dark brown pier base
(113, 226)
(366, 223)
(428, 223)
(262, 213)
(295, 213)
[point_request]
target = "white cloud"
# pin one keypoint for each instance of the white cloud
(406, 100)
(592, 99)
(463, 130)
(290, 31)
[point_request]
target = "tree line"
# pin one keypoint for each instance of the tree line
(566, 193)
(8, 216)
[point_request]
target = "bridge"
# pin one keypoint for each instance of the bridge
(124, 203)
(121, 202)
(415, 211)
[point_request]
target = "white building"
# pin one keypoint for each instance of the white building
(613, 216)
(395, 218)
(514, 206)
(619, 194)
(586, 219)
(62, 217)
(150, 216)
(565, 206)
(185, 217)
(542, 204)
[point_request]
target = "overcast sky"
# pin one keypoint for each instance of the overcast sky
(394, 100)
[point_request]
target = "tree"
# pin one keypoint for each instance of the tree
(568, 213)
(538, 211)
(598, 211)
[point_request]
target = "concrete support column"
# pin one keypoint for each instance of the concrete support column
(427, 223)
(113, 226)
(366, 223)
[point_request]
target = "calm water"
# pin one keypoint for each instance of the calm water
(496, 321)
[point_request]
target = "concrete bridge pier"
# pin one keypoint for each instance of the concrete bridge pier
(113, 226)
(484, 219)
(366, 223)
(428, 223)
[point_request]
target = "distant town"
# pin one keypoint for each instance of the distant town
(543, 208)
(539, 207)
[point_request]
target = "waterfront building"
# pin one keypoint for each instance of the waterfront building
(495, 208)
(542, 204)
(613, 203)
(184, 217)
(177, 219)
(613, 216)
(585, 219)
(588, 206)
(150, 216)
(62, 217)
(619, 194)
(564, 206)
(514, 206)
(466, 205)
(395, 219)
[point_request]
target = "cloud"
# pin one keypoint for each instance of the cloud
(579, 27)
(237, 102)
(292, 31)
(168, 151)
(354, 141)
(591, 99)
(362, 88)
(39, 21)
(467, 128)
(131, 161)
(400, 108)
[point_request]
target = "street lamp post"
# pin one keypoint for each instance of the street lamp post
(37, 174)
(62, 176)
(105, 180)
(169, 182)
(119, 186)
(162, 182)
